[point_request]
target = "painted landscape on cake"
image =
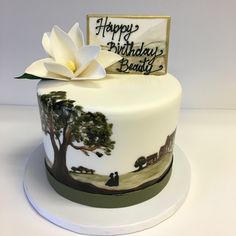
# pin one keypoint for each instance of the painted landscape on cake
(133, 180)
(69, 125)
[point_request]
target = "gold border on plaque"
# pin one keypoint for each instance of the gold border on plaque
(168, 18)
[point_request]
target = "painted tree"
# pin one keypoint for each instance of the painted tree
(140, 162)
(67, 125)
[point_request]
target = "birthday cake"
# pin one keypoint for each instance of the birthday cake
(108, 137)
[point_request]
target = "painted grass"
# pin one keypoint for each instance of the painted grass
(129, 180)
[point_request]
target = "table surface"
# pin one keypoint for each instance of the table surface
(208, 138)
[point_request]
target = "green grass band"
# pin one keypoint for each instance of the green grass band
(109, 201)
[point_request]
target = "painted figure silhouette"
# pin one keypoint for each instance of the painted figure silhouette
(110, 182)
(114, 180)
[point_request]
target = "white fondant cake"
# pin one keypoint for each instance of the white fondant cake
(143, 114)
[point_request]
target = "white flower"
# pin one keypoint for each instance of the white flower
(69, 58)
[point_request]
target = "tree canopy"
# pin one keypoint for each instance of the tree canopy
(68, 124)
(140, 162)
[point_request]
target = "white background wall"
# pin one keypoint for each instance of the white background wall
(202, 43)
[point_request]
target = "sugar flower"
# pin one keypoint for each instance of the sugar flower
(69, 58)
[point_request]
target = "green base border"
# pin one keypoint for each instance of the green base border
(108, 201)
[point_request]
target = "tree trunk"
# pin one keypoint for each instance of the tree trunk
(140, 167)
(59, 168)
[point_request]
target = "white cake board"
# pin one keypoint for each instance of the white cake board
(101, 221)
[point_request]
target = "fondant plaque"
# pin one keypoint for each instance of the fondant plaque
(142, 41)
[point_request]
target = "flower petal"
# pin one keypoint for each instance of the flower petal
(38, 69)
(107, 58)
(58, 69)
(76, 35)
(62, 46)
(47, 44)
(93, 71)
(85, 55)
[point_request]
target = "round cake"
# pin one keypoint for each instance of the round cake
(109, 142)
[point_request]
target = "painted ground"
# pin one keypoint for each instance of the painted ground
(129, 180)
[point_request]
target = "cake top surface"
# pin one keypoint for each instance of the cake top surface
(119, 93)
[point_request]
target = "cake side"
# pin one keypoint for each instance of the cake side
(135, 148)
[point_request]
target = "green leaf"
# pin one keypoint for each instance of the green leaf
(29, 76)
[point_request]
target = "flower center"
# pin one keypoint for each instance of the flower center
(71, 65)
